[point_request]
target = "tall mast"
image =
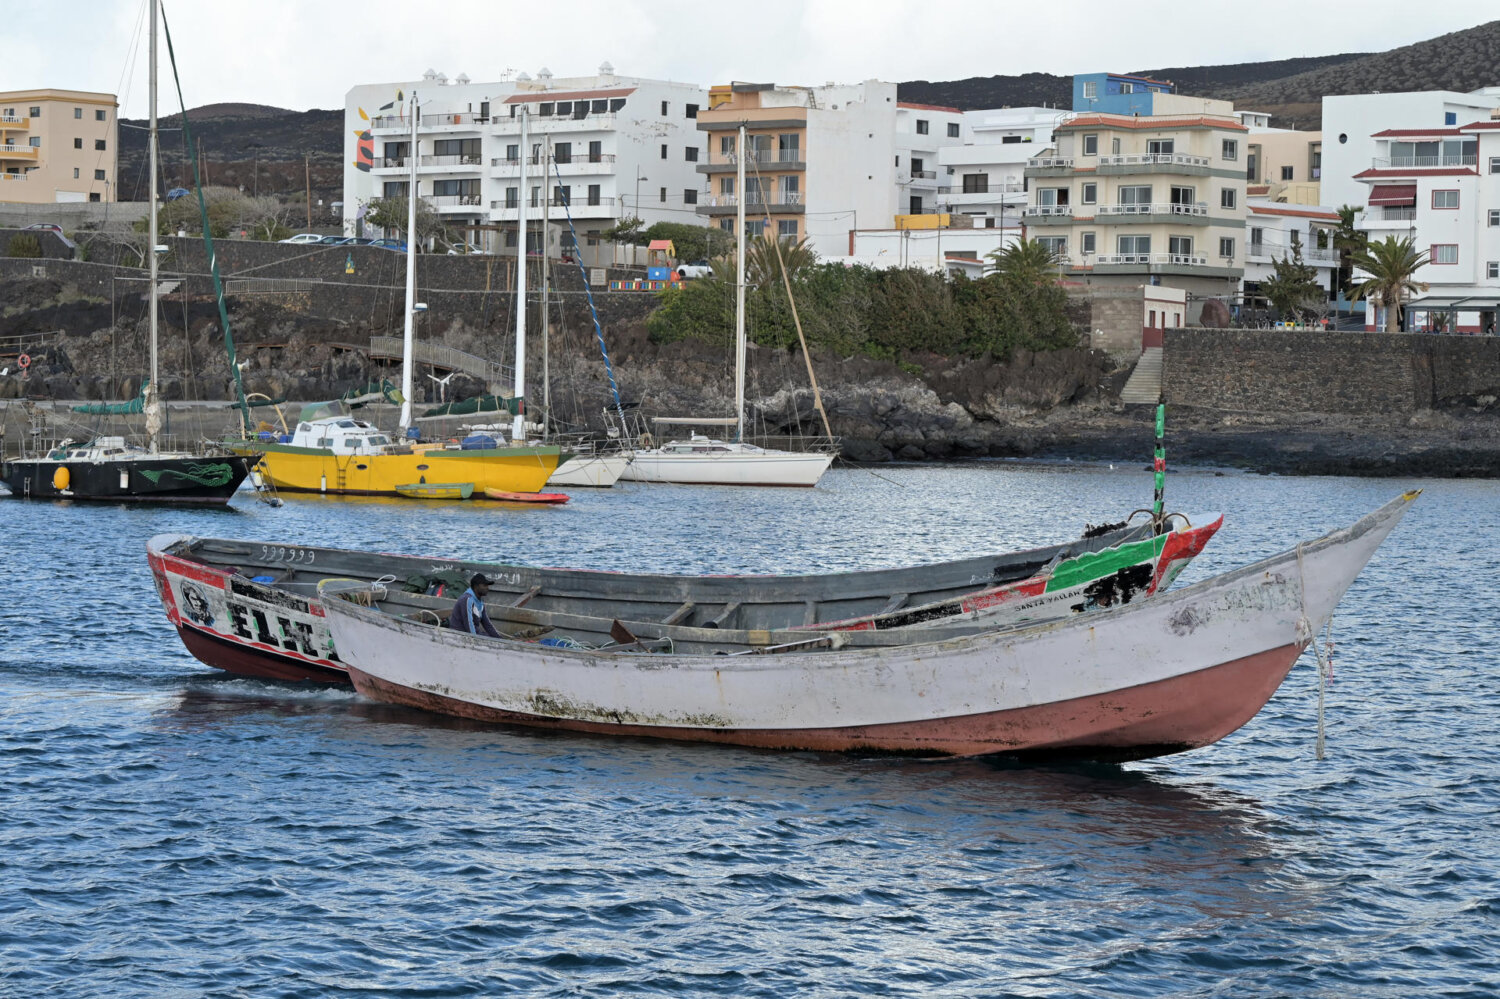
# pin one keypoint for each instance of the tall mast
(408, 346)
(546, 246)
(153, 397)
(739, 289)
(518, 427)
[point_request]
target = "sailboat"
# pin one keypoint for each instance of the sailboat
(701, 460)
(342, 454)
(112, 468)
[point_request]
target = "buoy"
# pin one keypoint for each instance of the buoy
(24, 361)
(61, 478)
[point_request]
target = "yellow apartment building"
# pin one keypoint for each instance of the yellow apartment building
(57, 146)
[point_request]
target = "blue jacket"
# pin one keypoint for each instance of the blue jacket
(469, 615)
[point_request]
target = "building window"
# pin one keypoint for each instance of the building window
(394, 189)
(513, 152)
(99, 144)
(1091, 144)
(1492, 269)
(1138, 195)
(726, 145)
(1445, 199)
(690, 110)
(562, 194)
(1086, 243)
(1495, 164)
(1091, 90)
(691, 152)
(663, 150)
(1286, 173)
(1180, 246)
(35, 142)
(75, 174)
(78, 112)
(94, 196)
(1127, 88)
(77, 143)
(1226, 247)
(755, 228)
(689, 197)
(1495, 217)
(1090, 193)
(1445, 253)
(663, 109)
(512, 197)
(98, 174)
(787, 228)
(915, 205)
(953, 131)
(1114, 146)
(565, 108)
(36, 112)
(545, 109)
(1227, 198)
(1133, 245)
(921, 126)
(1231, 149)
(726, 186)
(1161, 147)
(1450, 118)
(727, 225)
(976, 183)
(664, 195)
(99, 115)
(1009, 138)
(561, 153)
(596, 151)
(1055, 245)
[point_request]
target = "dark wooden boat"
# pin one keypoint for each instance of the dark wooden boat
(109, 469)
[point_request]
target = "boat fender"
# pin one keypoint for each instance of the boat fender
(645, 440)
(24, 361)
(61, 478)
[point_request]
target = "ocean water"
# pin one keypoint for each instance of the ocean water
(167, 831)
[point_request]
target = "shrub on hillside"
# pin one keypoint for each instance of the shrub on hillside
(24, 245)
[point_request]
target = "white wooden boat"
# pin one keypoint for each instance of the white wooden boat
(595, 471)
(1144, 679)
(703, 461)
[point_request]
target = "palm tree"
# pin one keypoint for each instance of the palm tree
(1391, 264)
(1026, 262)
(1348, 239)
(764, 257)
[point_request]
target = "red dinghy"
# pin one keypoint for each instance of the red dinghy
(500, 494)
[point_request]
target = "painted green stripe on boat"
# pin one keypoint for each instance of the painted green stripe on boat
(1093, 565)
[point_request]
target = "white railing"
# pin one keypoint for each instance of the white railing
(389, 162)
(452, 200)
(1425, 162)
(14, 121)
(924, 175)
(437, 120)
(1150, 259)
(1277, 250)
(563, 123)
(501, 204)
(1041, 162)
(28, 150)
(1197, 210)
(1154, 159)
(14, 176)
(1048, 211)
(452, 159)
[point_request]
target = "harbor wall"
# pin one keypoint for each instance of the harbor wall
(1308, 371)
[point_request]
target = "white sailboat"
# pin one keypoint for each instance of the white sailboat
(701, 460)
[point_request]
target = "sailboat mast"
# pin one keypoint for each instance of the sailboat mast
(739, 289)
(518, 427)
(153, 417)
(408, 335)
(546, 333)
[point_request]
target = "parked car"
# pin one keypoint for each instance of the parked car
(357, 241)
(49, 226)
(696, 269)
(334, 240)
(304, 237)
(177, 192)
(465, 248)
(390, 244)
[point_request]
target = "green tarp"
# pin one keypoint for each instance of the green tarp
(136, 405)
(478, 404)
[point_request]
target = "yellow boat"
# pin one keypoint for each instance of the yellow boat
(341, 454)
(437, 490)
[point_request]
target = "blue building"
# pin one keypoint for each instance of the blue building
(1114, 93)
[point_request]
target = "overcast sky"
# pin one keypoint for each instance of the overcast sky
(304, 54)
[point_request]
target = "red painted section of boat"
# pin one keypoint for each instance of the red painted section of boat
(254, 660)
(1153, 719)
(505, 497)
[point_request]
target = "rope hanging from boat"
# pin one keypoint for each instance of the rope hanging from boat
(589, 292)
(1160, 462)
(208, 236)
(1323, 652)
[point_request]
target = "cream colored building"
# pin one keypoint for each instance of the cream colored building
(1144, 200)
(57, 146)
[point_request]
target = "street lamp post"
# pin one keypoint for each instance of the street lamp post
(638, 178)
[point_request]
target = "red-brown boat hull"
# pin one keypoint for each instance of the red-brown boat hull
(245, 660)
(1153, 719)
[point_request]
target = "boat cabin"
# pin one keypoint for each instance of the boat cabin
(341, 435)
(698, 444)
(98, 449)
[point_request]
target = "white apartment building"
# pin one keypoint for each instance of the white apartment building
(1270, 227)
(820, 161)
(1440, 186)
(1144, 200)
(1350, 122)
(987, 173)
(620, 147)
(922, 132)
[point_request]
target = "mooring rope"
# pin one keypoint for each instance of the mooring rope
(1323, 652)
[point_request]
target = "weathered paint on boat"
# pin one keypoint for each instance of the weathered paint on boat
(1176, 672)
(436, 490)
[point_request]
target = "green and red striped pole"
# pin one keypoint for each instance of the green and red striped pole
(1161, 460)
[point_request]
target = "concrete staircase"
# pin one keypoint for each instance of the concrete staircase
(1144, 385)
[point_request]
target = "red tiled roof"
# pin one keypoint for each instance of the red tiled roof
(1390, 132)
(1306, 213)
(926, 107)
(532, 96)
(1151, 122)
(1481, 124)
(1376, 172)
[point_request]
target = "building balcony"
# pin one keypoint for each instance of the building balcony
(1048, 214)
(772, 160)
(1139, 163)
(451, 202)
(537, 125)
(503, 210)
(15, 123)
(428, 123)
(992, 195)
(385, 164)
(1196, 214)
(456, 161)
(1049, 166)
(13, 176)
(1185, 264)
(1423, 162)
(28, 153)
(728, 204)
(1267, 253)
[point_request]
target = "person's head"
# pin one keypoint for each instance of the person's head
(479, 583)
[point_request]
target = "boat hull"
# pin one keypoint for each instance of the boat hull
(595, 471)
(768, 468)
(205, 481)
(315, 470)
(437, 490)
(1176, 672)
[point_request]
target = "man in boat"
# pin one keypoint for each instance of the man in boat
(469, 614)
